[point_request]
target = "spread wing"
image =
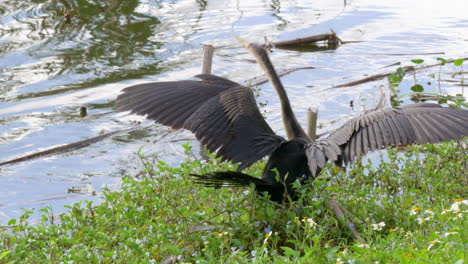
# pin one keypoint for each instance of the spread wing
(412, 124)
(222, 114)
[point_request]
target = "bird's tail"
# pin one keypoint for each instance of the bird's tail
(229, 179)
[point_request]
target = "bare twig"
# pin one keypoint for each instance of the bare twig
(340, 212)
(263, 79)
(371, 78)
(379, 76)
(196, 228)
(170, 260)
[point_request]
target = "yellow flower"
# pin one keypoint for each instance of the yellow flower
(415, 210)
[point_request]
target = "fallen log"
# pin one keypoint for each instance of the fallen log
(331, 38)
(70, 146)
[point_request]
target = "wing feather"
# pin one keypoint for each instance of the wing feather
(222, 114)
(377, 129)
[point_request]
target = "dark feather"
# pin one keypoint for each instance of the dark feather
(413, 124)
(227, 179)
(222, 114)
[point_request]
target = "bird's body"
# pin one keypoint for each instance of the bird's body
(224, 117)
(288, 163)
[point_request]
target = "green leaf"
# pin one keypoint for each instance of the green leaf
(417, 88)
(4, 254)
(289, 252)
(401, 72)
(458, 62)
(417, 61)
(12, 222)
(442, 101)
(442, 60)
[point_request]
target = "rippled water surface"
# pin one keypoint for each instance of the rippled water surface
(51, 65)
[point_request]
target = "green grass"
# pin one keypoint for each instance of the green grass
(409, 208)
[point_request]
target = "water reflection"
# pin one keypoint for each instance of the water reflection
(104, 42)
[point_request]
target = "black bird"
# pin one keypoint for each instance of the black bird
(225, 118)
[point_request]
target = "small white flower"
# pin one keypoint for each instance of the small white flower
(432, 243)
(339, 261)
(220, 234)
(266, 237)
(363, 245)
(450, 233)
(456, 205)
(378, 226)
(458, 216)
(421, 220)
(311, 222)
(429, 212)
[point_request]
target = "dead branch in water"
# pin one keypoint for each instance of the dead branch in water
(70, 146)
(331, 38)
(264, 79)
(379, 76)
(372, 78)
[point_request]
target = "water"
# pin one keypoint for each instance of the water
(50, 68)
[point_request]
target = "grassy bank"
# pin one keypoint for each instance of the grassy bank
(409, 209)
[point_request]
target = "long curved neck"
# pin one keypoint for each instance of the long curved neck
(293, 129)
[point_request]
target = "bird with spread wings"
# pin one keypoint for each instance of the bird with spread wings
(225, 118)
